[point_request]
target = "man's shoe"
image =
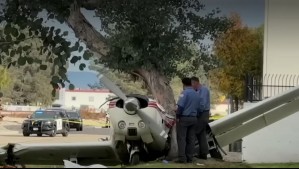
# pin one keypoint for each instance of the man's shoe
(203, 157)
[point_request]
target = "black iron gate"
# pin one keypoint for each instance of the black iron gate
(260, 88)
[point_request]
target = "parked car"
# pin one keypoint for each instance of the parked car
(49, 122)
(75, 120)
(63, 113)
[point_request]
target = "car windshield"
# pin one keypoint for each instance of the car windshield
(73, 114)
(45, 114)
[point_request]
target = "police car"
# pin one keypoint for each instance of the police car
(48, 122)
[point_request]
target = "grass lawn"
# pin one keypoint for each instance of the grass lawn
(199, 165)
(277, 165)
(174, 165)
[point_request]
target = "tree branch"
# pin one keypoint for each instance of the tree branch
(86, 32)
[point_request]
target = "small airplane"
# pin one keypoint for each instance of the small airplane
(140, 130)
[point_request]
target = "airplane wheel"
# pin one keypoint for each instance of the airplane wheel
(135, 159)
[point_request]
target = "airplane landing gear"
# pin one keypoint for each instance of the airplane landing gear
(134, 155)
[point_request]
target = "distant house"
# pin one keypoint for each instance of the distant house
(92, 98)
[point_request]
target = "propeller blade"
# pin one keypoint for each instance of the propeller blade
(111, 86)
(157, 132)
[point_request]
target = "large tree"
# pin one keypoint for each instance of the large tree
(240, 53)
(147, 38)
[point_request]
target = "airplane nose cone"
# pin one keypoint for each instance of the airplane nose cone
(131, 105)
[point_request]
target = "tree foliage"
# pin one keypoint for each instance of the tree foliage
(145, 37)
(29, 81)
(156, 34)
(127, 82)
(23, 15)
(142, 35)
(5, 79)
(239, 52)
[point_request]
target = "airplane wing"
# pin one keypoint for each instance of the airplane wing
(54, 154)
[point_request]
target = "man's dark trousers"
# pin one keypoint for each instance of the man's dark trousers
(186, 138)
(201, 134)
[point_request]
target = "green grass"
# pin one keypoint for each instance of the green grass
(174, 165)
(276, 165)
(214, 164)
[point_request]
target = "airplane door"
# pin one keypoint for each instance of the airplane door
(59, 124)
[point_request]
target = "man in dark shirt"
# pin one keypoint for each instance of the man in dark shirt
(187, 111)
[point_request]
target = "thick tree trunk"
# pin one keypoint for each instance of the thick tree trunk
(160, 87)
(158, 84)
(94, 40)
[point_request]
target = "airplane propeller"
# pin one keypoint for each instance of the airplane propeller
(132, 106)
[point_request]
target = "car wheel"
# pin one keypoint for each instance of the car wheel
(65, 133)
(53, 134)
(78, 128)
(81, 128)
(39, 135)
(25, 134)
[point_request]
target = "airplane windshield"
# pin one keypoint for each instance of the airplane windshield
(44, 114)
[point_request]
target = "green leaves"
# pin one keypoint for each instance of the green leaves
(14, 32)
(21, 37)
(43, 67)
(21, 61)
(57, 32)
(55, 79)
(71, 87)
(51, 16)
(74, 59)
(82, 66)
(87, 55)
(80, 49)
(65, 33)
(29, 60)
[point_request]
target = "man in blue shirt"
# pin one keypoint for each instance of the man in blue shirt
(187, 111)
(203, 117)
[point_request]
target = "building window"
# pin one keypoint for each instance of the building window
(73, 98)
(91, 99)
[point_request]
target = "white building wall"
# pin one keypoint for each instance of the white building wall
(281, 42)
(278, 143)
(77, 98)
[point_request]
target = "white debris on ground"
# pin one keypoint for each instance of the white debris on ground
(68, 164)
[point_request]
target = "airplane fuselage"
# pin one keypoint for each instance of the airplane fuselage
(144, 133)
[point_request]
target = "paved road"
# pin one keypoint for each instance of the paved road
(10, 132)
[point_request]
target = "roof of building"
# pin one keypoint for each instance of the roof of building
(90, 90)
